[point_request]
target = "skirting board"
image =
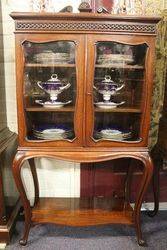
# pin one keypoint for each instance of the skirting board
(150, 206)
(2, 246)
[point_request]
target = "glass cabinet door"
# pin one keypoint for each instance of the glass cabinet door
(118, 89)
(50, 90)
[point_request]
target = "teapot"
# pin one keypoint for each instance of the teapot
(108, 87)
(53, 87)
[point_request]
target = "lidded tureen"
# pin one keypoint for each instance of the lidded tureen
(53, 87)
(108, 87)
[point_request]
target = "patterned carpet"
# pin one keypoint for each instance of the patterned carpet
(108, 237)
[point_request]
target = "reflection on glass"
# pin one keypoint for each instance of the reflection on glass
(118, 85)
(50, 90)
(51, 52)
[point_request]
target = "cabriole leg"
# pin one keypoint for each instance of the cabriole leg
(35, 179)
(157, 158)
(128, 184)
(155, 191)
(17, 165)
(147, 174)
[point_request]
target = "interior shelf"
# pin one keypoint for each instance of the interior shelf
(49, 65)
(72, 109)
(42, 109)
(119, 110)
(133, 80)
(82, 211)
(119, 65)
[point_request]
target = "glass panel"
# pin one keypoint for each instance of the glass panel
(50, 90)
(118, 90)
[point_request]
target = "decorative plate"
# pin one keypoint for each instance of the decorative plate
(108, 105)
(54, 104)
(113, 134)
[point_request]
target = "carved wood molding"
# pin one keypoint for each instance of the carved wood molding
(86, 26)
(81, 157)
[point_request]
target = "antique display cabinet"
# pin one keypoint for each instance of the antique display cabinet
(84, 86)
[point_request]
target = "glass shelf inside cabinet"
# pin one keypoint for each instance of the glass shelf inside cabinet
(119, 80)
(49, 90)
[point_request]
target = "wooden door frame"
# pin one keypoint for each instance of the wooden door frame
(147, 91)
(78, 113)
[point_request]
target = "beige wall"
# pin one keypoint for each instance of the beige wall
(3, 119)
(9, 67)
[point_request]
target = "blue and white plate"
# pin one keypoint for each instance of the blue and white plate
(52, 132)
(108, 105)
(51, 105)
(113, 134)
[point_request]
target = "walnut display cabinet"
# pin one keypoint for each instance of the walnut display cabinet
(84, 87)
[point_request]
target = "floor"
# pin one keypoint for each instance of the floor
(108, 237)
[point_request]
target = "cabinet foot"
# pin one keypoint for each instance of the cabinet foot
(152, 213)
(23, 242)
(142, 243)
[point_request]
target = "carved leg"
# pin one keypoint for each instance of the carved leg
(35, 179)
(147, 174)
(155, 191)
(128, 184)
(155, 181)
(17, 164)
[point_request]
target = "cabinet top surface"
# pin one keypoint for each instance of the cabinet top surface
(83, 16)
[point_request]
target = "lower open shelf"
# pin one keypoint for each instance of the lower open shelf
(82, 211)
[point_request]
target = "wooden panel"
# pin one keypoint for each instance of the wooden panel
(87, 180)
(6, 230)
(2, 206)
(8, 212)
(108, 178)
